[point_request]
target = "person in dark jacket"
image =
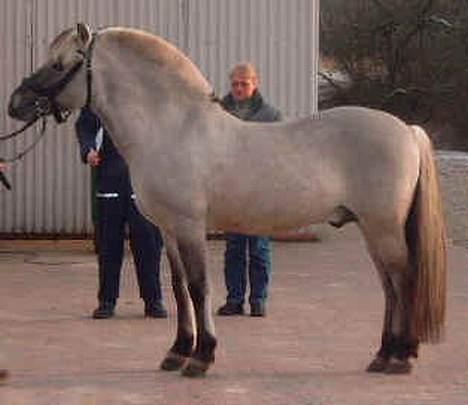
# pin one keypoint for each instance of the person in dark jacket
(115, 209)
(245, 102)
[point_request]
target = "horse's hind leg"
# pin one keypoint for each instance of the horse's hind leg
(181, 350)
(192, 249)
(388, 249)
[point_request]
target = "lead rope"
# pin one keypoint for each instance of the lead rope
(28, 149)
(88, 55)
(24, 152)
(19, 131)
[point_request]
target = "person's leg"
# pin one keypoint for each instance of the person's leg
(259, 273)
(235, 274)
(146, 245)
(110, 254)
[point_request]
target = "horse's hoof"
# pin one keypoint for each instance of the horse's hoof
(3, 375)
(173, 362)
(195, 368)
(378, 365)
(397, 366)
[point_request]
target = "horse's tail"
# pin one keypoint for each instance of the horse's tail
(426, 238)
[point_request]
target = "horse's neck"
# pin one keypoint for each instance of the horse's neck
(153, 58)
(134, 97)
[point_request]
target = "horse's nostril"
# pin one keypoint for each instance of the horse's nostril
(13, 105)
(12, 111)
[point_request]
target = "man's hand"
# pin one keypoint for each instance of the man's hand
(93, 158)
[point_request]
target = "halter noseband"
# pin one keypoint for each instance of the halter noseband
(46, 102)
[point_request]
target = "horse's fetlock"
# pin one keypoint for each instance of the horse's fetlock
(205, 351)
(398, 347)
(388, 347)
(183, 345)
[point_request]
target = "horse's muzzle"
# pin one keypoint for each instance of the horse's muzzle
(25, 105)
(21, 105)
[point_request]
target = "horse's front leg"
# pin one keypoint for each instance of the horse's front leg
(192, 250)
(178, 355)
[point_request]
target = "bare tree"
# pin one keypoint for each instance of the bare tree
(408, 57)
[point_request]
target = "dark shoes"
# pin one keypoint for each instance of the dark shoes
(152, 309)
(230, 309)
(257, 309)
(104, 310)
(155, 310)
(3, 375)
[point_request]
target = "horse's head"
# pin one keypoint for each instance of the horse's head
(59, 85)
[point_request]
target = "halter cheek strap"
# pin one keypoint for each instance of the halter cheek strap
(88, 55)
(46, 101)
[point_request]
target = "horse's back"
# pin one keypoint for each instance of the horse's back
(301, 170)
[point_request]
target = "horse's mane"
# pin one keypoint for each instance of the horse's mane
(164, 54)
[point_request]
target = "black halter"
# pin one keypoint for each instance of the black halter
(46, 101)
(88, 56)
(46, 96)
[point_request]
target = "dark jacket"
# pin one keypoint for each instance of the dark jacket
(260, 111)
(112, 172)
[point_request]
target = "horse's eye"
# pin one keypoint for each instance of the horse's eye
(57, 66)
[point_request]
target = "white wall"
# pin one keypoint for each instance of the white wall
(50, 186)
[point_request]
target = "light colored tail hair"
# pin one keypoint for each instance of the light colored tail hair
(426, 238)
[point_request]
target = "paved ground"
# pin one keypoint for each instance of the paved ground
(324, 324)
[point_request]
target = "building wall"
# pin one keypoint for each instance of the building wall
(50, 185)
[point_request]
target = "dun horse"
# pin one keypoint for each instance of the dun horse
(194, 167)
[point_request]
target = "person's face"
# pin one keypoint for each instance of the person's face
(242, 87)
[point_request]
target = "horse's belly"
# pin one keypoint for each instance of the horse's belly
(267, 217)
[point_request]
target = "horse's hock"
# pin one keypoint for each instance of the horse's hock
(453, 168)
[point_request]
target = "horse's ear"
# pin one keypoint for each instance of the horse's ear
(84, 33)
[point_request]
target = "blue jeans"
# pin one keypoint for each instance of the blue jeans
(235, 267)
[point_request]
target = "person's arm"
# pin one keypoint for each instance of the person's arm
(86, 128)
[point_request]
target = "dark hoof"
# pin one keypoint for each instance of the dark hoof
(3, 375)
(378, 365)
(173, 362)
(195, 368)
(397, 366)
